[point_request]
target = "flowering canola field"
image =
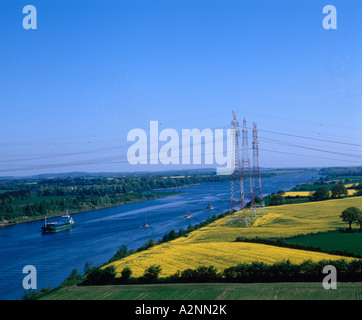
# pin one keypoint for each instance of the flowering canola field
(214, 244)
(351, 192)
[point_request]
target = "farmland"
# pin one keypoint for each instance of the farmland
(312, 223)
(351, 192)
(177, 255)
(351, 242)
(214, 291)
(214, 244)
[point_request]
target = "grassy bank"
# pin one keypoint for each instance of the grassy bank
(217, 291)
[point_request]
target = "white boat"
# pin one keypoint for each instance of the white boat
(188, 215)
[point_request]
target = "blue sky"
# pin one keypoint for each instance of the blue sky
(71, 90)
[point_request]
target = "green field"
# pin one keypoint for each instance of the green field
(331, 241)
(215, 291)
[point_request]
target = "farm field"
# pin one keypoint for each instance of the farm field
(178, 255)
(351, 242)
(214, 244)
(282, 221)
(351, 192)
(215, 291)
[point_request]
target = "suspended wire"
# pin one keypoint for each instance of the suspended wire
(114, 159)
(310, 138)
(310, 148)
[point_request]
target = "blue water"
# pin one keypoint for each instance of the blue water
(100, 233)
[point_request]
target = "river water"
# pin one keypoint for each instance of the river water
(100, 233)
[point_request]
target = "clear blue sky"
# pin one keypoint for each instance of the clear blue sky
(71, 90)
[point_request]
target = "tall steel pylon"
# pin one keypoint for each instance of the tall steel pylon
(245, 181)
(257, 197)
(248, 179)
(237, 198)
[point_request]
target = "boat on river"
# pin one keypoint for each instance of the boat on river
(66, 222)
(188, 215)
(210, 207)
(145, 225)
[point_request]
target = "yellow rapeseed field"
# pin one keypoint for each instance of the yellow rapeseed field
(178, 255)
(297, 193)
(351, 192)
(283, 221)
(214, 244)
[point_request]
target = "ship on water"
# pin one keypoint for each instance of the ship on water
(188, 215)
(66, 222)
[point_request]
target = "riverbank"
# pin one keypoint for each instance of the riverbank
(25, 219)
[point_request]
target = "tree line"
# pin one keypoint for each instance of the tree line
(51, 207)
(281, 271)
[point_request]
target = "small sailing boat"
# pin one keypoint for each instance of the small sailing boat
(188, 215)
(210, 207)
(145, 225)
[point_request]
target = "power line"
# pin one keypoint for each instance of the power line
(310, 148)
(310, 138)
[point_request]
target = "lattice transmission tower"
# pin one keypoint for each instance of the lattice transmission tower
(245, 180)
(257, 200)
(237, 199)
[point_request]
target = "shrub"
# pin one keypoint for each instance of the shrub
(276, 199)
(151, 274)
(126, 274)
(99, 276)
(320, 194)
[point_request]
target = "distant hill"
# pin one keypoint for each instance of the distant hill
(188, 172)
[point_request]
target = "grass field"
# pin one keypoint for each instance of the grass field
(351, 242)
(215, 291)
(214, 244)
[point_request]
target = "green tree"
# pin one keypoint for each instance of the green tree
(320, 194)
(126, 274)
(276, 200)
(339, 191)
(152, 273)
(350, 215)
(99, 276)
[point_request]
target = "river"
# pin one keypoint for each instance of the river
(99, 234)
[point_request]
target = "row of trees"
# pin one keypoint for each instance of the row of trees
(109, 186)
(73, 204)
(341, 172)
(282, 271)
(338, 191)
